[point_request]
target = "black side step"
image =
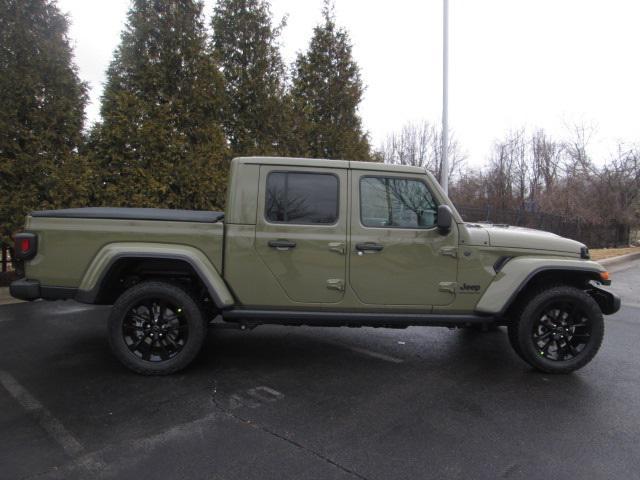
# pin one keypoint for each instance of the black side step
(355, 319)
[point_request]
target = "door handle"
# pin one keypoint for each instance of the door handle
(282, 244)
(335, 284)
(369, 247)
(337, 247)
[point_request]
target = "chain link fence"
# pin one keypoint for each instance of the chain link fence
(593, 235)
(7, 271)
(5, 258)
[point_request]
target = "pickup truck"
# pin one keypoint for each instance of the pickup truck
(322, 243)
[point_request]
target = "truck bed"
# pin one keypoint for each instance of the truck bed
(158, 214)
(69, 240)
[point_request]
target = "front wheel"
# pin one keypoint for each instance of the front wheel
(558, 329)
(156, 328)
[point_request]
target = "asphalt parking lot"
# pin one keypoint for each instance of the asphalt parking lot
(302, 403)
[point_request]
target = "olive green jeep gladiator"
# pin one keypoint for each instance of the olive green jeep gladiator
(315, 242)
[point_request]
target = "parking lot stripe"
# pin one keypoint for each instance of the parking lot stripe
(47, 421)
(369, 353)
(381, 356)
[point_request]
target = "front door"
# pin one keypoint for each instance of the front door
(397, 254)
(301, 230)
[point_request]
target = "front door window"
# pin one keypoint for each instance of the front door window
(396, 202)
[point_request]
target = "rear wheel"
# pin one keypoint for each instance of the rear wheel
(156, 328)
(558, 330)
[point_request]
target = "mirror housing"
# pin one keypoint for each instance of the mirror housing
(445, 217)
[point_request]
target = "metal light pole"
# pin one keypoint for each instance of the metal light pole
(444, 172)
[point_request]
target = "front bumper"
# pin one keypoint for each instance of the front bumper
(608, 301)
(25, 289)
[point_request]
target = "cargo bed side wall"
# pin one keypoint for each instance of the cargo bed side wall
(67, 246)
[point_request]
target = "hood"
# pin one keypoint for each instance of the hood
(528, 238)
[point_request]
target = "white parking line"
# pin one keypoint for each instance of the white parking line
(381, 356)
(67, 309)
(47, 421)
(369, 353)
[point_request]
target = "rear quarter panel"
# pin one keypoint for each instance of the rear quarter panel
(67, 246)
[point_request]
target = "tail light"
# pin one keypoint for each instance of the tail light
(26, 245)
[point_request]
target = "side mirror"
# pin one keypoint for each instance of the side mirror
(444, 218)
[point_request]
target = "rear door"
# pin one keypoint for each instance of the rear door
(397, 255)
(301, 230)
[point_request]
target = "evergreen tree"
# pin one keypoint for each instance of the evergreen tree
(325, 95)
(160, 143)
(245, 47)
(41, 113)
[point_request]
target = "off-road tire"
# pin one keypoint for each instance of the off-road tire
(191, 324)
(580, 308)
(512, 334)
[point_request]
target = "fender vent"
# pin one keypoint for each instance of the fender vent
(500, 263)
(584, 253)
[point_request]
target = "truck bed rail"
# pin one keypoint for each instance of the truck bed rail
(157, 214)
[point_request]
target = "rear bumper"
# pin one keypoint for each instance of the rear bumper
(25, 289)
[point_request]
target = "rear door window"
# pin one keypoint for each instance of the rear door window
(302, 198)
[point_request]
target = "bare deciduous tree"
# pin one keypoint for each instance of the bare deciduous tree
(547, 157)
(420, 145)
(528, 171)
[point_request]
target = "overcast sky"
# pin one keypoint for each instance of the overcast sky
(533, 63)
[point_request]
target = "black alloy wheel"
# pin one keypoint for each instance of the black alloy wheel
(155, 329)
(562, 331)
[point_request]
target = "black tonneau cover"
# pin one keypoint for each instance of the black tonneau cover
(158, 214)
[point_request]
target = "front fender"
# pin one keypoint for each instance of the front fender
(516, 273)
(107, 256)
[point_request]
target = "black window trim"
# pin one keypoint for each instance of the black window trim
(286, 182)
(416, 179)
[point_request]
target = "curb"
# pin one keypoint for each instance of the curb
(615, 261)
(6, 298)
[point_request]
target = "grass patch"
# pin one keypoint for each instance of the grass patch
(602, 253)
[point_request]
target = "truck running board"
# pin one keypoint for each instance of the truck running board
(352, 319)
